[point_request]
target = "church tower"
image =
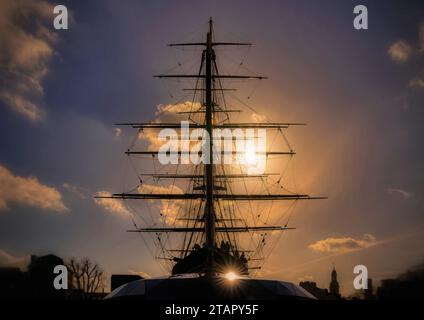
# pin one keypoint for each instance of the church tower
(334, 284)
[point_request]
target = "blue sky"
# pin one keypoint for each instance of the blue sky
(359, 92)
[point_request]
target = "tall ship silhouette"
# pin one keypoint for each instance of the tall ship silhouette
(216, 214)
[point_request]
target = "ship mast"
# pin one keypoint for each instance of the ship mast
(209, 167)
(208, 72)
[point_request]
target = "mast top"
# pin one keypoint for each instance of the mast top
(210, 26)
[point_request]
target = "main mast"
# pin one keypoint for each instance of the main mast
(209, 166)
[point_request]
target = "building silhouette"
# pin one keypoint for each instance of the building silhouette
(334, 284)
(311, 287)
(409, 285)
(333, 293)
(41, 277)
(36, 283)
(369, 291)
(12, 282)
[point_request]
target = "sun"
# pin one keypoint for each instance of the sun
(250, 154)
(231, 276)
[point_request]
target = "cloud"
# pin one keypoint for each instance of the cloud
(168, 209)
(80, 192)
(405, 194)
(306, 278)
(29, 192)
(166, 113)
(114, 206)
(258, 117)
(342, 245)
(153, 188)
(8, 260)
(400, 51)
(118, 132)
(416, 83)
(26, 47)
(142, 274)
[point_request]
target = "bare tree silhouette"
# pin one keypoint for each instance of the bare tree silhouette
(86, 277)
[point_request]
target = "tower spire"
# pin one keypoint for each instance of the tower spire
(334, 284)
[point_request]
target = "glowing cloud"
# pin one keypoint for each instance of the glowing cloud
(118, 132)
(78, 191)
(8, 260)
(400, 51)
(168, 208)
(25, 53)
(114, 206)
(29, 192)
(342, 245)
(258, 117)
(166, 113)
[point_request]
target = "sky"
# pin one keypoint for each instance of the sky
(360, 92)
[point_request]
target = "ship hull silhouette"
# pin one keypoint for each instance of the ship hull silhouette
(198, 287)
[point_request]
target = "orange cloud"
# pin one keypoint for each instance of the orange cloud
(167, 113)
(80, 192)
(400, 51)
(29, 192)
(342, 245)
(169, 209)
(25, 53)
(256, 117)
(8, 260)
(114, 206)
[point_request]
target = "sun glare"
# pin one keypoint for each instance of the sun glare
(250, 154)
(231, 276)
